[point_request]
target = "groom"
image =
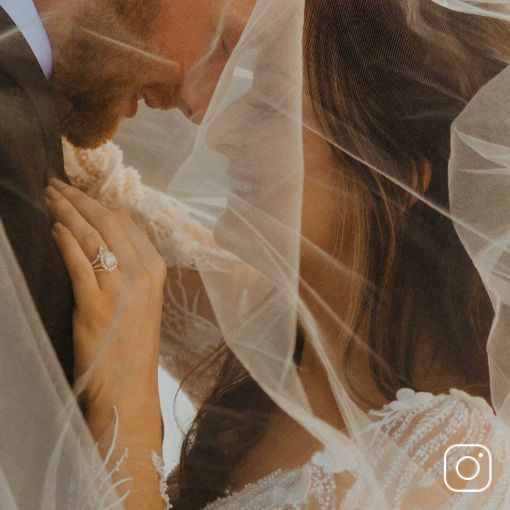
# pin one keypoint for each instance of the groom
(71, 68)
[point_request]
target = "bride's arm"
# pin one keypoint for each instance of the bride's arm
(116, 334)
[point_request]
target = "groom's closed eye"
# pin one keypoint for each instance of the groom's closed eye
(234, 22)
(229, 40)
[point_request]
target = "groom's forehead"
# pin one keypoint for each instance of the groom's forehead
(211, 12)
(198, 23)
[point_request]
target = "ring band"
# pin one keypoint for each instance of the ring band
(105, 261)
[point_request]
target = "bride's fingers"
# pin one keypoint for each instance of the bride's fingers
(89, 237)
(63, 212)
(85, 285)
(102, 220)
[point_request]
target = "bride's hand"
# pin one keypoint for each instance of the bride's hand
(116, 331)
(117, 318)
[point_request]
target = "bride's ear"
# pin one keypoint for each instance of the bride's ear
(421, 177)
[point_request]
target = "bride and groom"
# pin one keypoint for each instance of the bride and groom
(332, 192)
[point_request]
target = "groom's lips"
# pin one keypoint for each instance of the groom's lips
(132, 107)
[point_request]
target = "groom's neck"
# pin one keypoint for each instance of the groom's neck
(56, 16)
(44, 5)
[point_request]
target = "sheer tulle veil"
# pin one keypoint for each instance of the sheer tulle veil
(241, 181)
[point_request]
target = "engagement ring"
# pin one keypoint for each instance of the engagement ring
(105, 261)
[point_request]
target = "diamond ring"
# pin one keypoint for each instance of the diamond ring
(105, 261)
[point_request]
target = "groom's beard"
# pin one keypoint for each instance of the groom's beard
(104, 63)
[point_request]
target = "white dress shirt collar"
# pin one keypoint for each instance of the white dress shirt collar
(25, 16)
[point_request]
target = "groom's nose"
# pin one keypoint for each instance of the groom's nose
(162, 81)
(194, 114)
(193, 102)
(198, 87)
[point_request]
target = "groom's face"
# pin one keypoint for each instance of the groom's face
(106, 55)
(200, 35)
(170, 52)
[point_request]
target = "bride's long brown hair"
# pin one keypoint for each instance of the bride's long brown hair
(402, 91)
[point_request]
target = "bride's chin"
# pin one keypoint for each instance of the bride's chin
(233, 236)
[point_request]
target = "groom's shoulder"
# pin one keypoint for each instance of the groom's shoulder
(15, 104)
(26, 143)
(20, 128)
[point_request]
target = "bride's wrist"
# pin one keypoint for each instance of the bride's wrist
(139, 422)
(132, 394)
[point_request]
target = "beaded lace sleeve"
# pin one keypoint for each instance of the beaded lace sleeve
(189, 334)
(420, 440)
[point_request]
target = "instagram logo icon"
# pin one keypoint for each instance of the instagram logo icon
(467, 468)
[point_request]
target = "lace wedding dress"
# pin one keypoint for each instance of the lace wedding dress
(422, 425)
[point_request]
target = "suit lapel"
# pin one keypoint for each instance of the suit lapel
(18, 61)
(16, 56)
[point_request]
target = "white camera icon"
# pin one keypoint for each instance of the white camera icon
(472, 468)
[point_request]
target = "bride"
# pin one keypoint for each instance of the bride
(308, 266)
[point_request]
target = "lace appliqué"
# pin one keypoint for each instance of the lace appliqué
(414, 432)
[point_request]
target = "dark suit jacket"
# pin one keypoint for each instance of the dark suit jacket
(30, 153)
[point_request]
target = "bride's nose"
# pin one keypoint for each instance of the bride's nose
(226, 128)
